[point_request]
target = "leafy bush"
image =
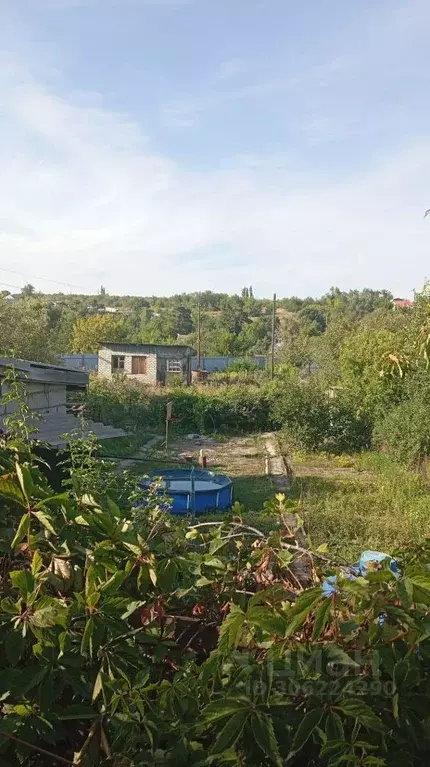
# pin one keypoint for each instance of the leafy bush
(245, 365)
(132, 639)
(405, 431)
(164, 643)
(315, 421)
(204, 410)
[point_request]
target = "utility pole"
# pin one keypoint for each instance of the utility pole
(199, 337)
(272, 365)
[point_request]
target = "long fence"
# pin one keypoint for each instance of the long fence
(89, 362)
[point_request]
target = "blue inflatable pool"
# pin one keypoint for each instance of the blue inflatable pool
(193, 490)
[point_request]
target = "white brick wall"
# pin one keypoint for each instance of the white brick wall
(105, 365)
(153, 360)
(43, 398)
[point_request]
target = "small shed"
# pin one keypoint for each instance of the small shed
(149, 363)
(47, 387)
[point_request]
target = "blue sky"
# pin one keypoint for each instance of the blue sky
(160, 146)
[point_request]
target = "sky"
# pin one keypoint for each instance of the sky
(167, 146)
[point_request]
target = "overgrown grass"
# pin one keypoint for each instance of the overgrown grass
(252, 492)
(375, 504)
(124, 447)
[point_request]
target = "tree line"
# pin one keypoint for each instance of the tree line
(40, 326)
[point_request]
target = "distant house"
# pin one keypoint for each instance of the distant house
(116, 310)
(150, 363)
(402, 303)
(47, 387)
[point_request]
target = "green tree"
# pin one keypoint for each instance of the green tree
(89, 332)
(179, 320)
(233, 316)
(25, 330)
(360, 363)
(28, 290)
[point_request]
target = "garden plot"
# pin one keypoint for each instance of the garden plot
(241, 458)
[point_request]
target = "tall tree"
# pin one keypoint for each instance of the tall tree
(25, 330)
(28, 290)
(88, 333)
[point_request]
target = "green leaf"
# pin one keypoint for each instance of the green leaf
(266, 619)
(305, 729)
(364, 714)
(9, 607)
(334, 727)
(86, 643)
(114, 583)
(53, 500)
(322, 617)
(25, 480)
(230, 733)
(23, 528)
(23, 580)
(33, 677)
(90, 581)
(203, 581)
(231, 629)
(264, 735)
(48, 612)
(405, 591)
(36, 563)
(113, 508)
(322, 549)
(98, 686)
(423, 581)
(167, 572)
(401, 670)
(75, 711)
(13, 647)
(216, 545)
(214, 562)
(45, 520)
(220, 709)
(285, 557)
(296, 615)
(335, 655)
(88, 500)
(12, 491)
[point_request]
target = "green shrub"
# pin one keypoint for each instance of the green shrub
(130, 638)
(315, 421)
(405, 431)
(203, 410)
(245, 365)
(135, 640)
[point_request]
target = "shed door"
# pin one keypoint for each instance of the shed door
(138, 366)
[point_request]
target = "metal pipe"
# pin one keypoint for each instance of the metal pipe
(193, 492)
(272, 364)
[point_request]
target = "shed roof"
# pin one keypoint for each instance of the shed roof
(148, 348)
(51, 429)
(46, 373)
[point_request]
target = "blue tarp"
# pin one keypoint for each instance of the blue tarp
(369, 560)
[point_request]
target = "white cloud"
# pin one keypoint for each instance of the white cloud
(84, 199)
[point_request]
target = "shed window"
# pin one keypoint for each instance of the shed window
(174, 366)
(138, 366)
(117, 363)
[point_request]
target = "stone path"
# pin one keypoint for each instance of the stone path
(276, 465)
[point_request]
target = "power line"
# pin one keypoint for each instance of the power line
(6, 284)
(47, 279)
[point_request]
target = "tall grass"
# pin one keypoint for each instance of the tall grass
(381, 506)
